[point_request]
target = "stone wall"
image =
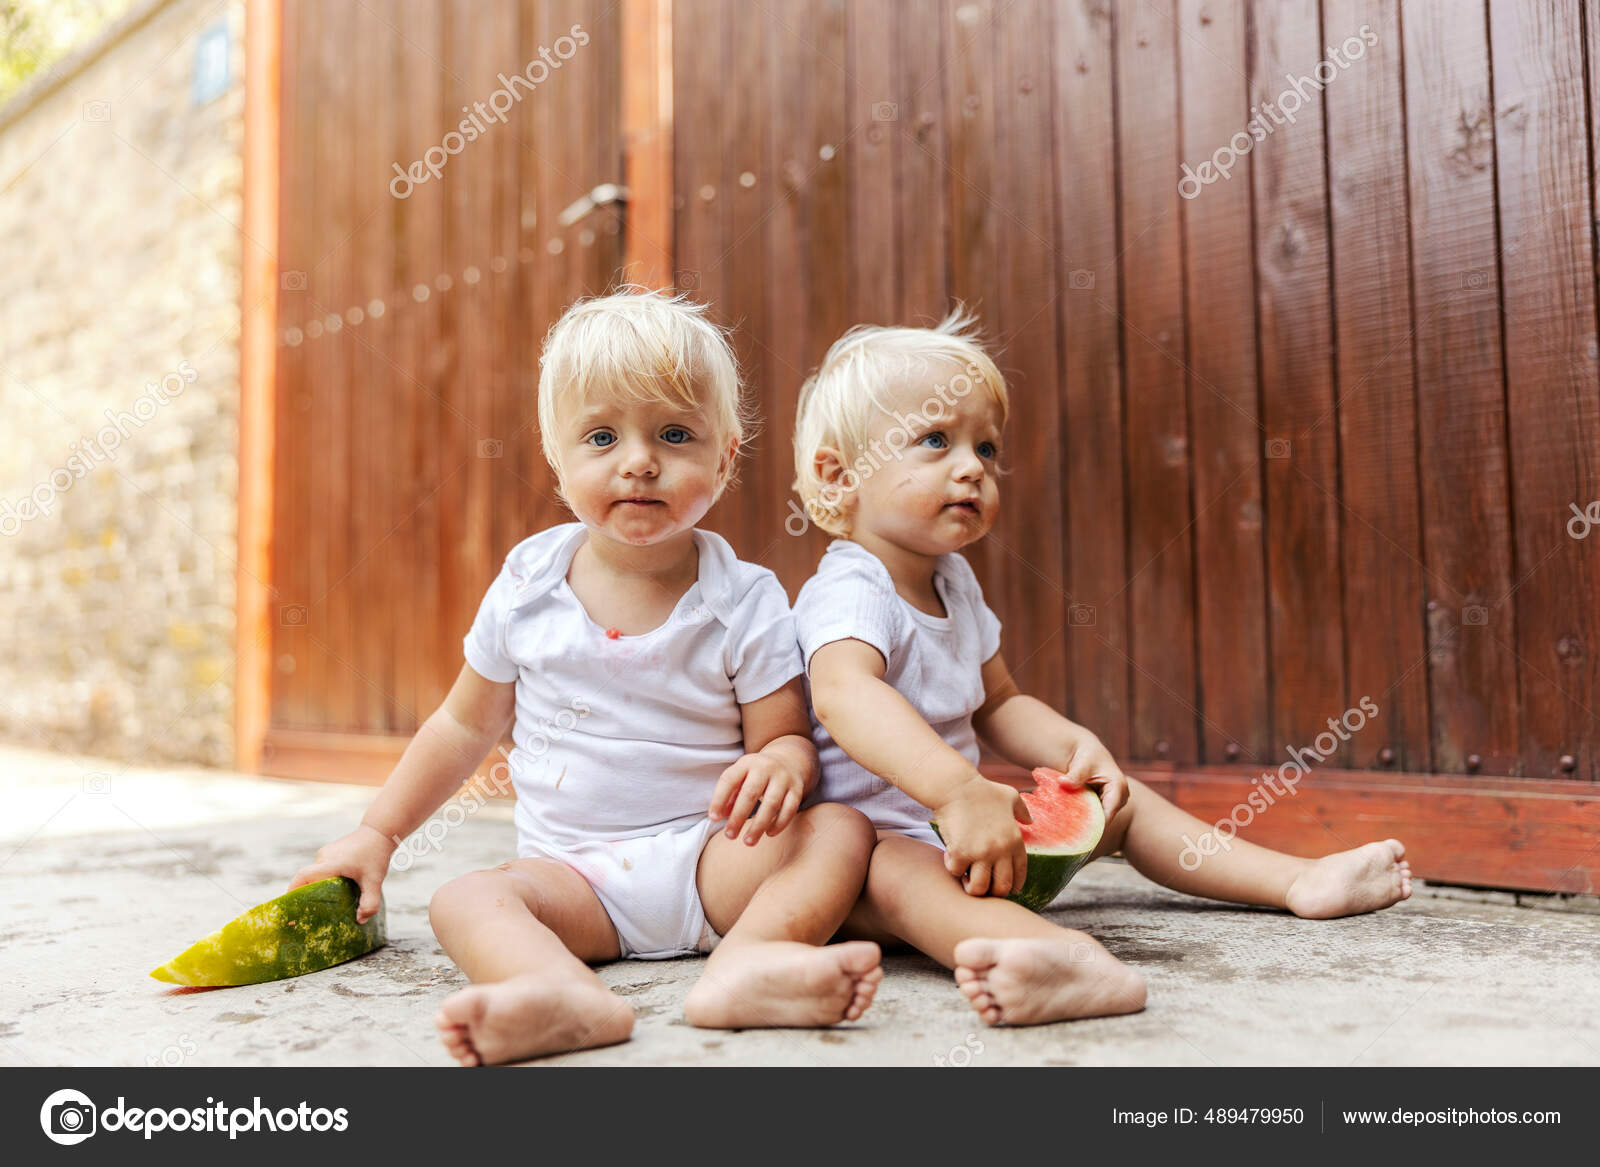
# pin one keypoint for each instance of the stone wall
(119, 385)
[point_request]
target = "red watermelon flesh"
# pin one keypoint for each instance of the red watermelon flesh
(1068, 821)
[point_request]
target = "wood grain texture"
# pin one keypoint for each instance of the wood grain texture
(1091, 415)
(1472, 671)
(1165, 698)
(1382, 550)
(1552, 374)
(1298, 411)
(1224, 410)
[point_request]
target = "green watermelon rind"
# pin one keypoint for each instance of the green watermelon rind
(302, 931)
(1049, 871)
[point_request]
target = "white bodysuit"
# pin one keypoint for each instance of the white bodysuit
(936, 663)
(620, 741)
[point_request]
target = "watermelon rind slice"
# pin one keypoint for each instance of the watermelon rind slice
(302, 931)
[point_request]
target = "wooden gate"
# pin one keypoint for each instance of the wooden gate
(1302, 429)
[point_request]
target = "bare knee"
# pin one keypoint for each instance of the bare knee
(893, 859)
(492, 885)
(842, 827)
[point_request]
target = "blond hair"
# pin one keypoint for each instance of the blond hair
(839, 401)
(645, 346)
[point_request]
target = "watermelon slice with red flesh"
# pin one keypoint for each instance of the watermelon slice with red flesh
(1068, 821)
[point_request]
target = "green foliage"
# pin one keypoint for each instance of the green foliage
(35, 34)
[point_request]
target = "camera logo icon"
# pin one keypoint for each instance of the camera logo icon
(885, 111)
(68, 1117)
(1081, 615)
(491, 448)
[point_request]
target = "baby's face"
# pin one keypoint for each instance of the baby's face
(640, 472)
(939, 492)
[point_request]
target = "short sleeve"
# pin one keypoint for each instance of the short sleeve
(762, 654)
(849, 598)
(484, 645)
(971, 591)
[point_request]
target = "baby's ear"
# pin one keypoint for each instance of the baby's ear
(829, 465)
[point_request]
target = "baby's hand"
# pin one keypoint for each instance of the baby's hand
(1092, 765)
(983, 846)
(757, 778)
(363, 855)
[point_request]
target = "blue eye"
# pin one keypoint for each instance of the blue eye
(988, 451)
(933, 437)
(601, 439)
(676, 435)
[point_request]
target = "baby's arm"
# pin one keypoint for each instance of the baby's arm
(883, 731)
(1028, 733)
(443, 754)
(778, 769)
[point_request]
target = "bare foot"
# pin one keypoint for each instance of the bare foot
(1348, 883)
(1030, 981)
(509, 1021)
(785, 984)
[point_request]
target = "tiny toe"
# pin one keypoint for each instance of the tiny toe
(976, 953)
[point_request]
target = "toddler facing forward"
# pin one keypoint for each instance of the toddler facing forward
(676, 668)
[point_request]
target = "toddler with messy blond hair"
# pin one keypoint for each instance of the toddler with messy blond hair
(898, 453)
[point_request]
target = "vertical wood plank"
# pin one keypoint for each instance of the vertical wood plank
(1546, 233)
(1382, 564)
(1298, 411)
(921, 223)
(1460, 388)
(1225, 425)
(1087, 292)
(648, 85)
(807, 237)
(1027, 581)
(872, 112)
(330, 610)
(765, 470)
(1164, 713)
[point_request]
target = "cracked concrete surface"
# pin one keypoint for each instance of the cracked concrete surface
(105, 872)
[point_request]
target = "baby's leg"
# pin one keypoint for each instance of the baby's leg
(1013, 965)
(521, 932)
(1155, 836)
(777, 904)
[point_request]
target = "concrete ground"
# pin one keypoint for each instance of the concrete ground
(106, 872)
